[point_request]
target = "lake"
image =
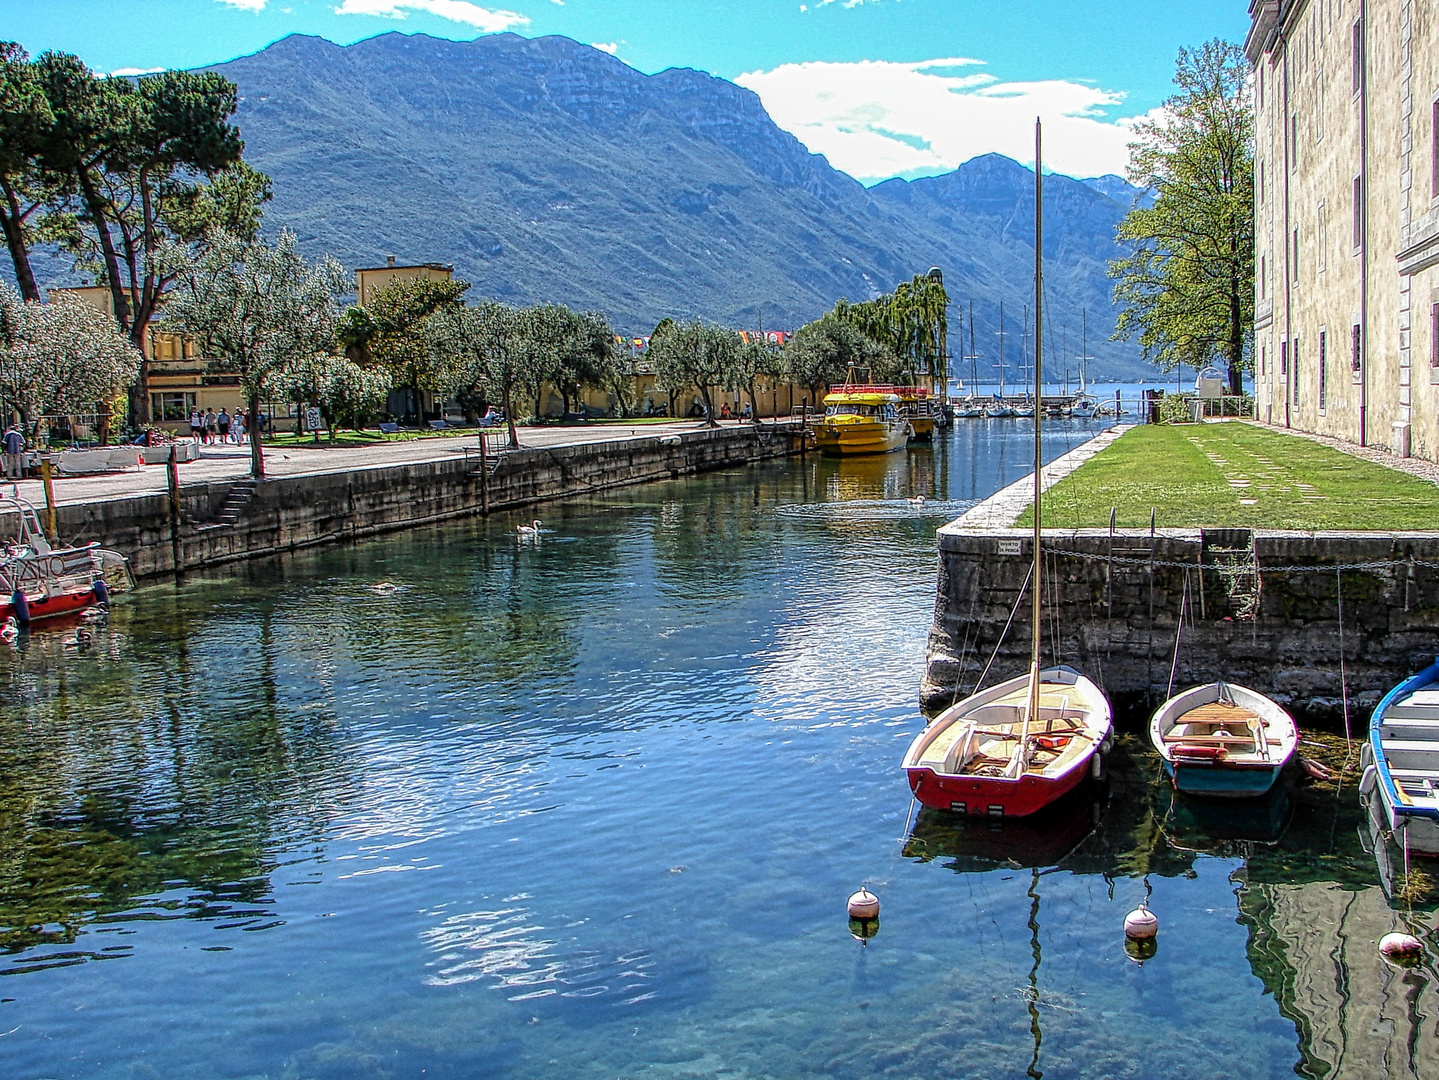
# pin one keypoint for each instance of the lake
(452, 803)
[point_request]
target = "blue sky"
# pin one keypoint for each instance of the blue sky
(882, 87)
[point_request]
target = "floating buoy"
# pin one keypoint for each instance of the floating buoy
(1405, 950)
(102, 591)
(864, 905)
(1141, 924)
(21, 603)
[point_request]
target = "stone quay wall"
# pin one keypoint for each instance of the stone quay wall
(295, 512)
(1260, 608)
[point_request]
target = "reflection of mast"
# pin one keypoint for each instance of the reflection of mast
(1033, 995)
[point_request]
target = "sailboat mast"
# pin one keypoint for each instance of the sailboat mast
(1038, 412)
(1001, 350)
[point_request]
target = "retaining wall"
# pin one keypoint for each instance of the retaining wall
(303, 511)
(1113, 603)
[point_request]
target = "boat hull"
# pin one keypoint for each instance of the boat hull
(1221, 782)
(923, 428)
(1401, 761)
(989, 796)
(52, 607)
(860, 438)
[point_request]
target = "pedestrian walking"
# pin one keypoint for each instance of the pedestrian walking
(197, 424)
(241, 425)
(212, 426)
(222, 425)
(14, 446)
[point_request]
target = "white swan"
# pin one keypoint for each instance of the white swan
(11, 630)
(918, 500)
(531, 531)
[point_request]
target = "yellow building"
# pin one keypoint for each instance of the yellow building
(370, 280)
(1346, 327)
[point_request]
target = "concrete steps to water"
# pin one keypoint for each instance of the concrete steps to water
(232, 508)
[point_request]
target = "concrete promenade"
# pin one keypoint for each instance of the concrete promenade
(228, 462)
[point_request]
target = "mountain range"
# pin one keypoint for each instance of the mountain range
(544, 169)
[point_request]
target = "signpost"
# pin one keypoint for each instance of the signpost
(314, 421)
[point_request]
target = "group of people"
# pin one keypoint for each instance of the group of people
(210, 427)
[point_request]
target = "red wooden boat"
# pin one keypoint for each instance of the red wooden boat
(1016, 747)
(990, 754)
(39, 581)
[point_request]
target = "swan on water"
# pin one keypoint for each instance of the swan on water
(531, 530)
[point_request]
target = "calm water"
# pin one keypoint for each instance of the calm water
(590, 807)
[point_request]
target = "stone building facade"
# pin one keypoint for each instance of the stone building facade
(1346, 328)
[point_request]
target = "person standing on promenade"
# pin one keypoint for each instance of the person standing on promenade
(212, 426)
(197, 425)
(241, 424)
(222, 424)
(14, 445)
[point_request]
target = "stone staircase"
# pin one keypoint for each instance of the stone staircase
(232, 508)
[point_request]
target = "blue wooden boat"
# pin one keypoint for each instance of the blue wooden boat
(1401, 761)
(1223, 740)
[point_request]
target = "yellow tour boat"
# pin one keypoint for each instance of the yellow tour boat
(862, 422)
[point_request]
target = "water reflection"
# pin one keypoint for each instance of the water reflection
(590, 806)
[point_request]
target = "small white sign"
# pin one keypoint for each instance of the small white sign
(313, 420)
(1011, 547)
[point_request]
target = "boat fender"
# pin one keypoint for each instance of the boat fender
(22, 608)
(864, 905)
(1108, 744)
(1096, 767)
(1405, 950)
(102, 592)
(1368, 780)
(1141, 924)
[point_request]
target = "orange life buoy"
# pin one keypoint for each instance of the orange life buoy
(1199, 753)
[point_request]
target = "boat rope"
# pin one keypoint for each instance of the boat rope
(1178, 633)
(1008, 623)
(1343, 675)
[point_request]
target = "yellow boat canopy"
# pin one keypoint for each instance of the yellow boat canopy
(860, 397)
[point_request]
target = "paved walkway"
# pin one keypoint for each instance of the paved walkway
(1002, 509)
(220, 463)
(1424, 470)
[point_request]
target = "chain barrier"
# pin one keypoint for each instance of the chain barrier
(1325, 568)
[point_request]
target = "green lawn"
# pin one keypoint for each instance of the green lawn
(1235, 475)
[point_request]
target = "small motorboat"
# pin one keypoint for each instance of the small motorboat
(988, 755)
(40, 581)
(1401, 761)
(1221, 739)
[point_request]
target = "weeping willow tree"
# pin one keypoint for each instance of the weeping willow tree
(912, 323)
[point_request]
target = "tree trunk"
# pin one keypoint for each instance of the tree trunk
(1236, 346)
(510, 421)
(257, 453)
(709, 406)
(15, 241)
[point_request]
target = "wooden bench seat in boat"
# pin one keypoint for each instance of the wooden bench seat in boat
(1407, 746)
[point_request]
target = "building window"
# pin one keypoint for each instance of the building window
(1319, 103)
(1323, 370)
(1434, 152)
(1294, 142)
(1294, 375)
(1261, 170)
(1356, 54)
(1355, 358)
(1321, 238)
(171, 406)
(1434, 335)
(1284, 359)
(1263, 356)
(1358, 212)
(1295, 274)
(1263, 276)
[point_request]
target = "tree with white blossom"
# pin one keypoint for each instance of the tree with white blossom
(60, 358)
(261, 309)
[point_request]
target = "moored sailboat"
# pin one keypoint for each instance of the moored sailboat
(1017, 747)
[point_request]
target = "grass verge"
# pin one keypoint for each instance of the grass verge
(1235, 475)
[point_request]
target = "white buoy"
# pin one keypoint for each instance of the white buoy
(1401, 948)
(864, 905)
(1141, 924)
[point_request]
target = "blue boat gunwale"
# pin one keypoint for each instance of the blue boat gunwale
(1427, 677)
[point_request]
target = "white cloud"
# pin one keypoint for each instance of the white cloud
(877, 119)
(247, 5)
(610, 47)
(461, 11)
(125, 73)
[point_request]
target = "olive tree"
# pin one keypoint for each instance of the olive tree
(61, 357)
(341, 389)
(261, 309)
(697, 354)
(481, 351)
